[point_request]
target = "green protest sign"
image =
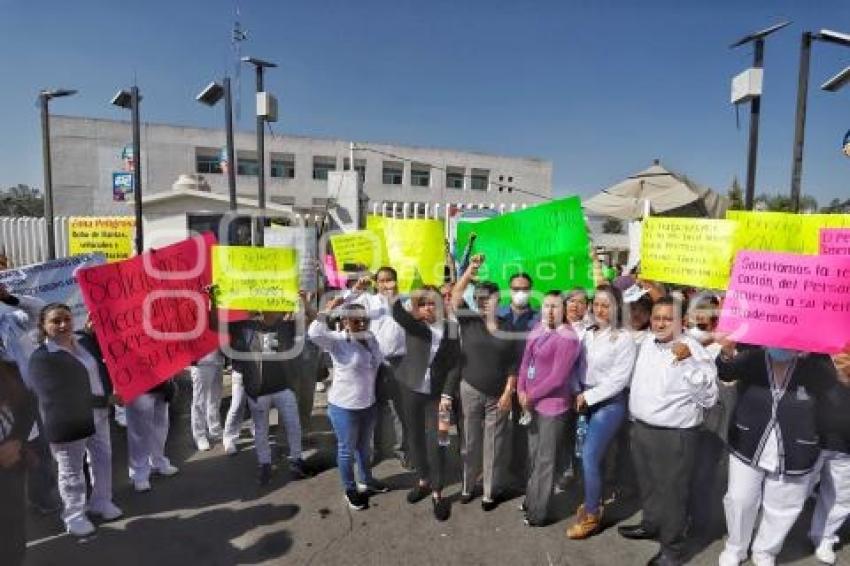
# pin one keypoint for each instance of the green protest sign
(548, 241)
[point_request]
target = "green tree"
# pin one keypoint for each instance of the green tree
(735, 195)
(782, 203)
(21, 200)
(612, 226)
(836, 206)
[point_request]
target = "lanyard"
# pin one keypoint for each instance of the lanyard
(778, 391)
(537, 345)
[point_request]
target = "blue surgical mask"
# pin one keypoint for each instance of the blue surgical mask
(781, 354)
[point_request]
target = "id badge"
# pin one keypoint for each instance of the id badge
(530, 372)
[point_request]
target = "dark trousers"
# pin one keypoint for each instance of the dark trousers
(664, 462)
(13, 520)
(389, 412)
(41, 477)
(545, 435)
(429, 458)
(518, 467)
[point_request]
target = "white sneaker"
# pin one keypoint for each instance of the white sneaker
(763, 559)
(824, 552)
(728, 558)
(168, 470)
(79, 527)
(108, 511)
(203, 444)
(229, 448)
(142, 485)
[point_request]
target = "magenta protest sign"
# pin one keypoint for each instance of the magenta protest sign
(835, 241)
(790, 301)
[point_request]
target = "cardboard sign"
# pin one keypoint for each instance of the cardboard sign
(303, 240)
(150, 313)
(416, 249)
(789, 301)
(110, 236)
(687, 251)
(256, 279)
(548, 241)
(362, 247)
(53, 282)
(783, 231)
(835, 241)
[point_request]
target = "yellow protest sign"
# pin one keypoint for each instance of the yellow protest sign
(363, 247)
(375, 224)
(255, 279)
(783, 231)
(416, 249)
(110, 236)
(687, 251)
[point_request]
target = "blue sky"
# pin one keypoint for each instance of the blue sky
(598, 87)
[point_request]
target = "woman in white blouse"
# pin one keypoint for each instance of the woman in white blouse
(610, 358)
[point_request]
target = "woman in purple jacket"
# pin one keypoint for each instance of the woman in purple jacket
(544, 392)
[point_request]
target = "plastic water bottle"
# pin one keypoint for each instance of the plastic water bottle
(444, 424)
(581, 434)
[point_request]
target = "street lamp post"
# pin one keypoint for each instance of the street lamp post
(130, 100)
(44, 98)
(757, 39)
(210, 96)
(259, 66)
(806, 39)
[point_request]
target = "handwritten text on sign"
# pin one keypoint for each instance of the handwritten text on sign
(150, 313)
(256, 279)
(790, 301)
(835, 241)
(687, 251)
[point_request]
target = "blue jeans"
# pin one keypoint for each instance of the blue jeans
(353, 429)
(604, 420)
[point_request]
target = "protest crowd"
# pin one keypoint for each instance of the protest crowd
(622, 385)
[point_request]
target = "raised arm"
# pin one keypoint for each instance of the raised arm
(468, 276)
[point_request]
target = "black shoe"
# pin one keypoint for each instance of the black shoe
(373, 486)
(466, 498)
(529, 523)
(418, 493)
(662, 559)
(565, 481)
(489, 505)
(298, 469)
(442, 508)
(356, 500)
(265, 474)
(635, 532)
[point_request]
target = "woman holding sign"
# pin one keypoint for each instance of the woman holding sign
(74, 405)
(773, 439)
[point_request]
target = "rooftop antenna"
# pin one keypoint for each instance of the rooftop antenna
(237, 36)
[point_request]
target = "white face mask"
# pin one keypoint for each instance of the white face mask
(699, 335)
(520, 298)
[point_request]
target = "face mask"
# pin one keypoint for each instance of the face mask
(699, 335)
(781, 354)
(519, 298)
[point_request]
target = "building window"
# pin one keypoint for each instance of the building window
(247, 166)
(420, 175)
(454, 177)
(207, 161)
(283, 166)
(393, 172)
(480, 179)
(359, 166)
(322, 164)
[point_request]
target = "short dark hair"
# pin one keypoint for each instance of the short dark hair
(524, 275)
(387, 269)
(554, 293)
(671, 301)
(488, 287)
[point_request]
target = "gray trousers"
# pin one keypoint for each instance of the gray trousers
(664, 462)
(487, 439)
(545, 435)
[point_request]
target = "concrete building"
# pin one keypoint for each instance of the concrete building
(87, 151)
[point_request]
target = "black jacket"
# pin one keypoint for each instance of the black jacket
(62, 386)
(833, 418)
(263, 374)
(445, 369)
(796, 410)
(88, 341)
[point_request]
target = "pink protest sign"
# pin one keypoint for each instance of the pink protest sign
(835, 241)
(335, 278)
(150, 313)
(790, 301)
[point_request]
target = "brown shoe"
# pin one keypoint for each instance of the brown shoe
(586, 524)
